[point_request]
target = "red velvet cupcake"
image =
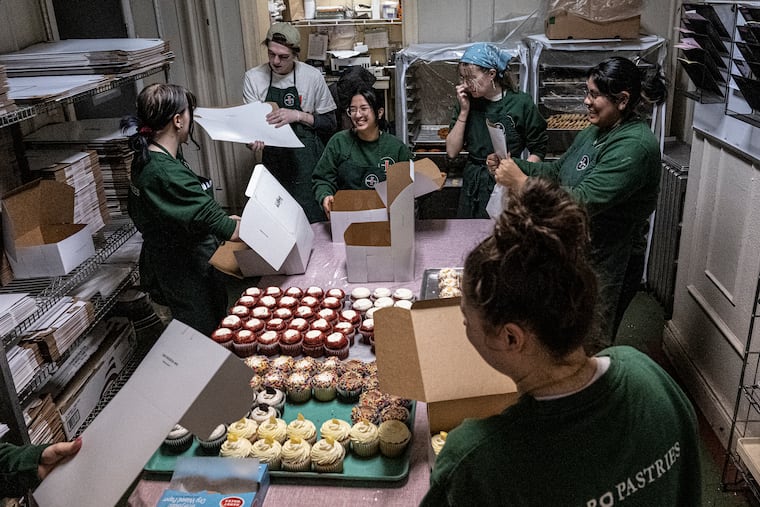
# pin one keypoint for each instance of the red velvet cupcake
(288, 302)
(315, 292)
(295, 292)
(241, 311)
(273, 291)
(253, 291)
(299, 324)
(332, 303)
(305, 312)
(232, 322)
(247, 301)
(347, 329)
(329, 315)
(310, 301)
(313, 343)
(276, 324)
(285, 314)
(244, 343)
(268, 301)
(223, 336)
(321, 325)
(336, 344)
(351, 316)
(269, 343)
(261, 312)
(367, 330)
(336, 293)
(255, 325)
(291, 342)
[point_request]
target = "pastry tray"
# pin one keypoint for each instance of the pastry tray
(429, 288)
(377, 468)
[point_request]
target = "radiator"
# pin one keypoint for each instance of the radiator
(666, 233)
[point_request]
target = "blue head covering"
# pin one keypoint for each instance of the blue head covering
(487, 56)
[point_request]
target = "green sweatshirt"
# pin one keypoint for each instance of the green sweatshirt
(18, 468)
(348, 163)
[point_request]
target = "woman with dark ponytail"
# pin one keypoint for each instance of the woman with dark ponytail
(613, 168)
(174, 209)
(586, 430)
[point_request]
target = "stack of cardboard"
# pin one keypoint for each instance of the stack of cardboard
(81, 171)
(7, 104)
(56, 331)
(102, 135)
(24, 363)
(44, 421)
(595, 19)
(14, 309)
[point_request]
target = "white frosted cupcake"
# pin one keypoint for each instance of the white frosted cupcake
(381, 292)
(360, 293)
(268, 451)
(244, 428)
(437, 441)
(361, 305)
(365, 440)
(384, 302)
(296, 455)
(303, 429)
(403, 294)
(403, 303)
(235, 447)
(338, 430)
(327, 456)
(262, 412)
(275, 428)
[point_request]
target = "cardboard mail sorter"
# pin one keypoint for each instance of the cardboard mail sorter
(39, 233)
(424, 354)
(185, 378)
(383, 250)
(277, 237)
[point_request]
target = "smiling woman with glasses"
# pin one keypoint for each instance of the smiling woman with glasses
(613, 168)
(358, 158)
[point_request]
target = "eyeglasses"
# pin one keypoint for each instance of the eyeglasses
(593, 94)
(353, 110)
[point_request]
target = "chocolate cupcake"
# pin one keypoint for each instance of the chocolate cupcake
(291, 342)
(213, 443)
(313, 343)
(223, 336)
(336, 344)
(269, 343)
(178, 440)
(294, 292)
(244, 343)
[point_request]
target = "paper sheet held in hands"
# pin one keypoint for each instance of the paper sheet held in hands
(245, 124)
(498, 139)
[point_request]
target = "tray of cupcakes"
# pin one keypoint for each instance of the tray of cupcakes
(315, 413)
(441, 283)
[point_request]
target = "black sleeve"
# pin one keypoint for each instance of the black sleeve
(326, 122)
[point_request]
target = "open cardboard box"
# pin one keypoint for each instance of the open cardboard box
(380, 241)
(424, 354)
(277, 237)
(185, 378)
(565, 25)
(39, 233)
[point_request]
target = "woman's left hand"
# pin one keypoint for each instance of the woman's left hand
(506, 172)
(283, 116)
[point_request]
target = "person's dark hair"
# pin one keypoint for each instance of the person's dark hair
(617, 74)
(533, 269)
(156, 106)
(374, 102)
(281, 39)
(506, 81)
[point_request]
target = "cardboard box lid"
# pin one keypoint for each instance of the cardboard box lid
(356, 200)
(270, 219)
(38, 203)
(424, 354)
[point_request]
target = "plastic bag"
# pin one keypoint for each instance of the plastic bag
(497, 202)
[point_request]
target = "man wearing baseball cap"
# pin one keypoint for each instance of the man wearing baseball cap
(305, 103)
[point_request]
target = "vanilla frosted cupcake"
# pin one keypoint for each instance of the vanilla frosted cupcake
(437, 441)
(244, 428)
(360, 293)
(235, 447)
(394, 438)
(274, 428)
(296, 455)
(268, 451)
(303, 429)
(365, 440)
(403, 294)
(384, 302)
(327, 456)
(338, 430)
(381, 292)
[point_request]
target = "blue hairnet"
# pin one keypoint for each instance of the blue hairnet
(487, 56)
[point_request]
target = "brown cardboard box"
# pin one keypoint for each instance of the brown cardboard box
(424, 354)
(564, 25)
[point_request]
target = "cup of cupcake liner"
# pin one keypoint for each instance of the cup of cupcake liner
(335, 468)
(392, 450)
(365, 449)
(299, 395)
(178, 445)
(325, 393)
(303, 466)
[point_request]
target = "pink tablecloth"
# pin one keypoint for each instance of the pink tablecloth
(439, 243)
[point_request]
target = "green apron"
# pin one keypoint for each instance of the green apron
(477, 182)
(353, 176)
(176, 273)
(293, 167)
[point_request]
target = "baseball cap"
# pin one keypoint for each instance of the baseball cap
(287, 31)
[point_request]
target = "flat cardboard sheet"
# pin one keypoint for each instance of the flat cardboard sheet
(245, 124)
(187, 378)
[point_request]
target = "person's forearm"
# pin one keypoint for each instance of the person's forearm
(455, 139)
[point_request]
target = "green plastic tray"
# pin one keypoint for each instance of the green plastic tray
(377, 468)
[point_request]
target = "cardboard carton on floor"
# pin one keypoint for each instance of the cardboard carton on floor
(423, 354)
(277, 237)
(39, 233)
(185, 378)
(383, 249)
(565, 25)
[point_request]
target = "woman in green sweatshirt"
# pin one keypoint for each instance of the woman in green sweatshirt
(23, 467)
(357, 159)
(174, 209)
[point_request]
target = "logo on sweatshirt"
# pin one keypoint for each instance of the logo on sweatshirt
(371, 180)
(289, 100)
(583, 163)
